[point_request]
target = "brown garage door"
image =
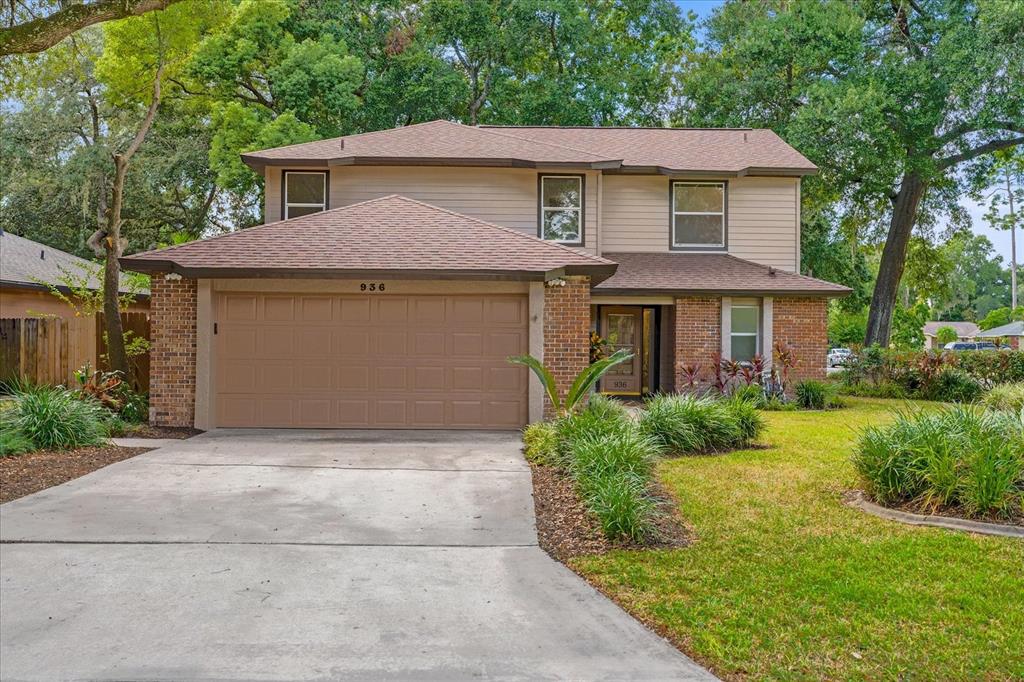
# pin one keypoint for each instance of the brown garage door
(379, 361)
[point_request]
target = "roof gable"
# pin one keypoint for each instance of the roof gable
(392, 234)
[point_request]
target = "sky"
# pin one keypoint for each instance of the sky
(1000, 238)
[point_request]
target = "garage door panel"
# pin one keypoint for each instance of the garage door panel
(306, 360)
(274, 342)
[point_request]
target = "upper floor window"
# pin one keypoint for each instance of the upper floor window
(698, 215)
(305, 192)
(561, 209)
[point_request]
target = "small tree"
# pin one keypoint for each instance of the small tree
(581, 385)
(946, 335)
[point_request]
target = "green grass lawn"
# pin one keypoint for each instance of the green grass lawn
(785, 581)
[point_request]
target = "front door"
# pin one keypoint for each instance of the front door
(623, 328)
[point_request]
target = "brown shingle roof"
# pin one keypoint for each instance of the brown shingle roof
(392, 234)
(671, 273)
(437, 141)
(663, 150)
(679, 150)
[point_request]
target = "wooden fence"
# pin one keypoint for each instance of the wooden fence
(48, 350)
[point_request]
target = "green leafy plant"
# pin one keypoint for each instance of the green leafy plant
(55, 417)
(1006, 397)
(815, 395)
(964, 457)
(581, 385)
(688, 424)
(953, 386)
(540, 443)
(622, 505)
(14, 442)
(944, 335)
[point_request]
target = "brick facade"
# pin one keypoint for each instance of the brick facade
(172, 379)
(698, 334)
(566, 331)
(803, 324)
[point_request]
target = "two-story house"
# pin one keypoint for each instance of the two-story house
(398, 270)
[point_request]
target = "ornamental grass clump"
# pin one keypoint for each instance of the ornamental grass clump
(688, 424)
(54, 417)
(1005, 397)
(965, 458)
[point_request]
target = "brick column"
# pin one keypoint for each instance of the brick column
(172, 369)
(803, 324)
(698, 335)
(566, 331)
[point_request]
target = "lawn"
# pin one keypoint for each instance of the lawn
(785, 581)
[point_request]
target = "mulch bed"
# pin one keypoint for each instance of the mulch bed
(566, 529)
(177, 432)
(22, 475)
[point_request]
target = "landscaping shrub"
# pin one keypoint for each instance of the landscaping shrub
(816, 395)
(627, 451)
(54, 417)
(540, 441)
(14, 442)
(752, 393)
(685, 424)
(598, 418)
(134, 406)
(953, 386)
(1006, 397)
(965, 457)
(621, 504)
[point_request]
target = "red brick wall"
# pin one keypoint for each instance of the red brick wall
(803, 324)
(172, 380)
(698, 335)
(566, 331)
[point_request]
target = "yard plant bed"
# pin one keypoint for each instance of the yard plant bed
(783, 580)
(567, 529)
(174, 432)
(22, 475)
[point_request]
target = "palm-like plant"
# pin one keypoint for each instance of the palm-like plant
(581, 386)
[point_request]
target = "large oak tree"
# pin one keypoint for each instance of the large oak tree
(893, 99)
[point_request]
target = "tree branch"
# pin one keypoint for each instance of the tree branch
(39, 34)
(987, 148)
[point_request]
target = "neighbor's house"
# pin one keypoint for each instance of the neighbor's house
(1012, 334)
(398, 270)
(26, 269)
(965, 331)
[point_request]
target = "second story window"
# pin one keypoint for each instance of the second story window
(698, 215)
(305, 192)
(561, 209)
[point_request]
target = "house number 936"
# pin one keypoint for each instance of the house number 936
(371, 286)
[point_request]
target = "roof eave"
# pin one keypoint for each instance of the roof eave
(767, 291)
(597, 272)
(260, 163)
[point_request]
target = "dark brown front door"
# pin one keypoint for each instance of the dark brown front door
(622, 327)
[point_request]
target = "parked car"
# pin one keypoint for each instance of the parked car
(839, 357)
(970, 345)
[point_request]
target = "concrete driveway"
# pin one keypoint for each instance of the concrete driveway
(306, 555)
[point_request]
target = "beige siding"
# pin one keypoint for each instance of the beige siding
(272, 195)
(762, 217)
(505, 196)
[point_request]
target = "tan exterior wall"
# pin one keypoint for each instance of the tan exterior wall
(763, 217)
(504, 196)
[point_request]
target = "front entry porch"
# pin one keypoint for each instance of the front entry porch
(642, 329)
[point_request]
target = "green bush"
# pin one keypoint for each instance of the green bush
(54, 417)
(687, 424)
(751, 393)
(816, 395)
(627, 451)
(14, 442)
(134, 406)
(964, 457)
(540, 441)
(621, 504)
(596, 419)
(1006, 397)
(953, 386)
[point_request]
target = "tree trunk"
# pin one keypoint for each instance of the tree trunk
(894, 257)
(116, 355)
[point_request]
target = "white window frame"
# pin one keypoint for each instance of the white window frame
(756, 306)
(723, 213)
(284, 191)
(544, 210)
